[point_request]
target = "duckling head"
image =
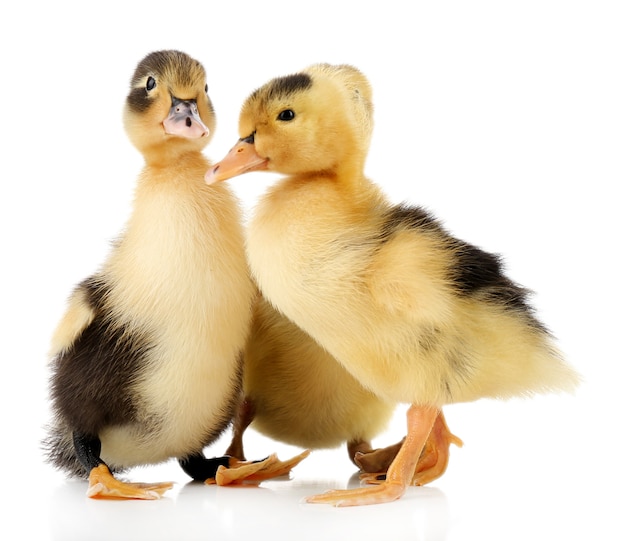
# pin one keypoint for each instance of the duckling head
(317, 121)
(168, 110)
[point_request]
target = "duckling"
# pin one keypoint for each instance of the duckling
(415, 314)
(146, 362)
(297, 393)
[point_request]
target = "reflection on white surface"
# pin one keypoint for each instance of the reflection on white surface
(539, 481)
(272, 511)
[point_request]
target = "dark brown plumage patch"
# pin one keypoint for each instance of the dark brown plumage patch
(407, 217)
(91, 384)
(478, 271)
(138, 100)
(474, 272)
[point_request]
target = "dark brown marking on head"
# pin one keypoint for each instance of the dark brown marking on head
(180, 67)
(283, 87)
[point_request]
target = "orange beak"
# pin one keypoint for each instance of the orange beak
(242, 158)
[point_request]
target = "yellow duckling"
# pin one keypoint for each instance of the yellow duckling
(147, 360)
(416, 315)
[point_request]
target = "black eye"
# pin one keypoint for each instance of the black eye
(150, 84)
(206, 89)
(286, 115)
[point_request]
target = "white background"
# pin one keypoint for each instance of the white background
(507, 119)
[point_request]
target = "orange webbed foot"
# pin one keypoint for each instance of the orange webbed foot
(420, 421)
(102, 485)
(383, 493)
(376, 460)
(240, 472)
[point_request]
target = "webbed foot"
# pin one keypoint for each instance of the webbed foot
(103, 485)
(240, 472)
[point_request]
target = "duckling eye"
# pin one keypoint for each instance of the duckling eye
(150, 84)
(286, 115)
(206, 89)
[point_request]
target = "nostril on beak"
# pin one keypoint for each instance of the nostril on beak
(188, 122)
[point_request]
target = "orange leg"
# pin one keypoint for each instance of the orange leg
(432, 463)
(103, 485)
(420, 421)
(434, 460)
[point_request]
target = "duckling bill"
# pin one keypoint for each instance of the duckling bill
(147, 360)
(413, 313)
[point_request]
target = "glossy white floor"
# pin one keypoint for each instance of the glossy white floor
(505, 119)
(543, 469)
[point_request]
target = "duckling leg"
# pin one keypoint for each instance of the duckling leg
(102, 484)
(420, 421)
(243, 418)
(238, 471)
(434, 460)
(432, 463)
(200, 468)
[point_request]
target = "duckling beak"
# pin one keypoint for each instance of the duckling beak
(184, 120)
(242, 158)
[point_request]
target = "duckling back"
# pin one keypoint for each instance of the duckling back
(438, 320)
